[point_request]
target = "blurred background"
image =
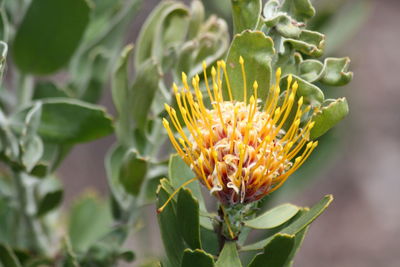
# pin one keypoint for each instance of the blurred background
(361, 227)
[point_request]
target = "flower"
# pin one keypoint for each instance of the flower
(239, 149)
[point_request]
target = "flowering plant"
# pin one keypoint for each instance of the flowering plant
(204, 115)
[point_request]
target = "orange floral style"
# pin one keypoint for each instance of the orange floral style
(239, 149)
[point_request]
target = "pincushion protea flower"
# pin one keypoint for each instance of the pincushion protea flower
(239, 149)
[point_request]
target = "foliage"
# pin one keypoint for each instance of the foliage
(53, 78)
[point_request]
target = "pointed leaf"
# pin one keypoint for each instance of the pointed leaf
(274, 217)
(50, 201)
(298, 240)
(48, 35)
(198, 257)
(229, 256)
(306, 218)
(276, 252)
(328, 116)
(188, 214)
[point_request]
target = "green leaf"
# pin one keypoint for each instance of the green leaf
(47, 89)
(306, 218)
(142, 92)
(311, 93)
(257, 51)
(50, 201)
(73, 121)
(197, 15)
(133, 171)
(309, 43)
(276, 252)
(198, 257)
(280, 21)
(169, 225)
(48, 35)
(84, 229)
(152, 30)
(31, 144)
(246, 14)
(311, 70)
(229, 256)
(188, 214)
(328, 116)
(335, 70)
(179, 173)
(209, 240)
(113, 162)
(7, 257)
(298, 240)
(301, 10)
(120, 84)
(9, 143)
(170, 34)
(274, 217)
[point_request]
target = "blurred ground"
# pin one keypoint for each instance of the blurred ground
(362, 227)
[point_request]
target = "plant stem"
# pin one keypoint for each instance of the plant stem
(34, 242)
(24, 89)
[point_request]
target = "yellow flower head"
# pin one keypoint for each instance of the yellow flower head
(238, 149)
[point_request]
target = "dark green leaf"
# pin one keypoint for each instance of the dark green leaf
(257, 51)
(169, 226)
(50, 201)
(133, 171)
(73, 121)
(276, 252)
(306, 218)
(7, 257)
(274, 217)
(246, 14)
(328, 116)
(198, 257)
(47, 89)
(49, 34)
(188, 214)
(298, 240)
(229, 256)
